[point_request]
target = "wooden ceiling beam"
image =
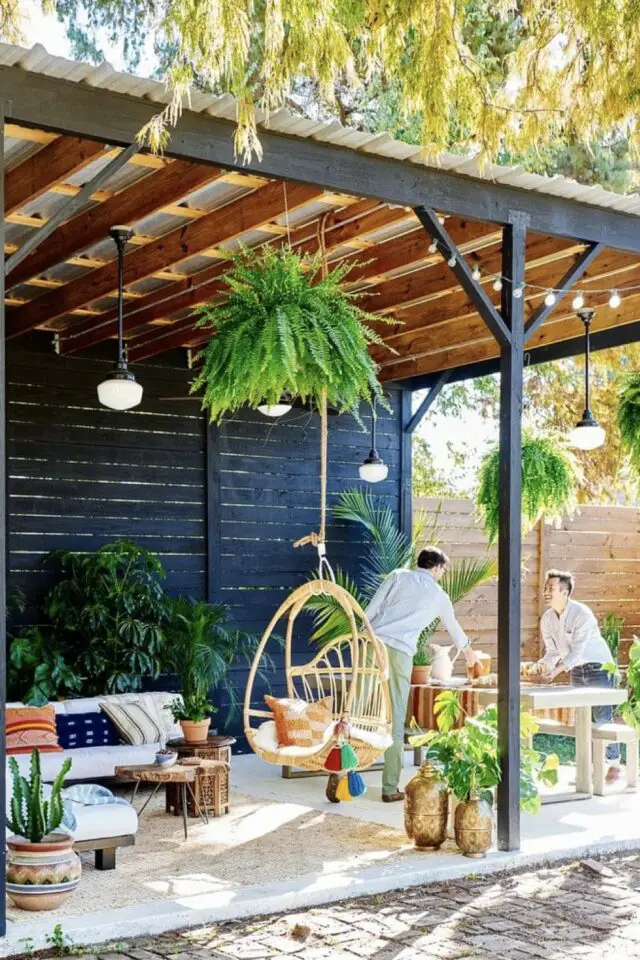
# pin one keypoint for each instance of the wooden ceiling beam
(479, 346)
(340, 225)
(47, 167)
(130, 205)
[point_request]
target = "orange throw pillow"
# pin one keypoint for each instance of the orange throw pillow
(31, 727)
(300, 724)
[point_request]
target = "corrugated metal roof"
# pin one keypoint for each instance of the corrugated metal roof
(38, 60)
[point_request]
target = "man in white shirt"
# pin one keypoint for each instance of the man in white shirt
(573, 643)
(406, 603)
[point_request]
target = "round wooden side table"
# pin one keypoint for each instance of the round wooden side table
(210, 792)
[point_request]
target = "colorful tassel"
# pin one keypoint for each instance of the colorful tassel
(348, 757)
(333, 763)
(342, 790)
(357, 785)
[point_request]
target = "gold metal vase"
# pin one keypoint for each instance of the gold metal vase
(474, 827)
(426, 807)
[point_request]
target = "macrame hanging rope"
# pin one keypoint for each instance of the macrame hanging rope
(318, 539)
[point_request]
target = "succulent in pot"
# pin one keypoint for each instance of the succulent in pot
(42, 867)
(422, 660)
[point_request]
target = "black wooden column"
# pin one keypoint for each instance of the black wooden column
(213, 512)
(406, 494)
(3, 537)
(509, 544)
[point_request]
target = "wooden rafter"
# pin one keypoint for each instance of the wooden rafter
(165, 186)
(180, 244)
(46, 168)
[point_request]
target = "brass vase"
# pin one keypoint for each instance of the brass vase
(426, 807)
(474, 827)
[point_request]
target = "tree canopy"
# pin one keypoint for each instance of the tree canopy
(501, 77)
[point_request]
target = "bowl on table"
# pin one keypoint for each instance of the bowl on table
(166, 758)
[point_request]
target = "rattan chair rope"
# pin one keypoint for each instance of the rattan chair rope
(352, 670)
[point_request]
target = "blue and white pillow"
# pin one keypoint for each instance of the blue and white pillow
(77, 730)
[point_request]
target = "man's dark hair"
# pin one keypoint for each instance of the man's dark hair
(432, 557)
(565, 577)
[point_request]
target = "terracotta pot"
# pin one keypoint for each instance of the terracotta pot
(426, 809)
(41, 876)
(195, 732)
(420, 676)
(474, 827)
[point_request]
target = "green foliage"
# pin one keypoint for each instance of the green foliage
(468, 755)
(611, 630)
(38, 671)
(423, 657)
(630, 711)
(286, 329)
(60, 943)
(628, 418)
(33, 817)
(549, 478)
(201, 649)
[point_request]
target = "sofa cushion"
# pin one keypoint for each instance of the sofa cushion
(85, 730)
(30, 727)
(135, 724)
(90, 763)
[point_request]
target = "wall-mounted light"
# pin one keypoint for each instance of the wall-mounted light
(120, 390)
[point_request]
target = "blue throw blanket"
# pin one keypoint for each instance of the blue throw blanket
(88, 795)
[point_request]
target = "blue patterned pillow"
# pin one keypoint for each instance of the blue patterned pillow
(85, 730)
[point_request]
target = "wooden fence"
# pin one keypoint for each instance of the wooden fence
(601, 545)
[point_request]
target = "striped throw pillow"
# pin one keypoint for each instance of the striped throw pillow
(134, 724)
(31, 727)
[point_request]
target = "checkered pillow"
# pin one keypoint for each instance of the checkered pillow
(300, 724)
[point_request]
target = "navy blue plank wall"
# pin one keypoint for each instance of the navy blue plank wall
(268, 477)
(81, 475)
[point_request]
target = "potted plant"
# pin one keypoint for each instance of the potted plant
(467, 757)
(42, 867)
(422, 660)
(201, 649)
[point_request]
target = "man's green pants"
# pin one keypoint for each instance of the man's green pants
(400, 665)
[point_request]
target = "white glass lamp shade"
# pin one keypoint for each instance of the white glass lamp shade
(373, 469)
(274, 409)
(120, 390)
(587, 436)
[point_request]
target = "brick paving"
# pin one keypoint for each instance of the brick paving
(569, 911)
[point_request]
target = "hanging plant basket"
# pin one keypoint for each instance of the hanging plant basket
(628, 418)
(285, 328)
(549, 477)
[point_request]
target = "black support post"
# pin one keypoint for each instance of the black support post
(213, 512)
(3, 537)
(406, 502)
(509, 545)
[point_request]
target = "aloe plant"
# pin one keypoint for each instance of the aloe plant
(33, 817)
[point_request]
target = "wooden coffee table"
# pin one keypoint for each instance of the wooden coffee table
(211, 788)
(183, 777)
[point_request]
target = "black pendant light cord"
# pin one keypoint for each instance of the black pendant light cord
(373, 429)
(587, 316)
(121, 241)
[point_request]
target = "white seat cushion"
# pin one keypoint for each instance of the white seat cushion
(89, 763)
(104, 820)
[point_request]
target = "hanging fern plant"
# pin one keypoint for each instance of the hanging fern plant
(549, 478)
(628, 418)
(284, 328)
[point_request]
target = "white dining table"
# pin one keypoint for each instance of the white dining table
(545, 697)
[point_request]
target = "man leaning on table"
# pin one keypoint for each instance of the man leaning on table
(406, 603)
(573, 643)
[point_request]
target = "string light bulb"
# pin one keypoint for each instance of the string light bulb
(433, 247)
(497, 284)
(550, 298)
(451, 262)
(517, 293)
(476, 273)
(440, 218)
(578, 302)
(614, 299)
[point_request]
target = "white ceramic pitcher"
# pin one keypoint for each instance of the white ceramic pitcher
(442, 665)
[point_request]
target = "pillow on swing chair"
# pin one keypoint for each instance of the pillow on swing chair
(298, 723)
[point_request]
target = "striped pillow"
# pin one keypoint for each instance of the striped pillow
(29, 727)
(134, 724)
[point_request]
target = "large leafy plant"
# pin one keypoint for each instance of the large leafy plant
(30, 815)
(286, 328)
(549, 478)
(628, 418)
(468, 755)
(630, 711)
(389, 548)
(203, 650)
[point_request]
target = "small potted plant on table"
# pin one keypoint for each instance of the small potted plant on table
(42, 867)
(422, 660)
(193, 713)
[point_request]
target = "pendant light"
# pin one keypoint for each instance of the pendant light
(373, 469)
(587, 434)
(120, 390)
(278, 409)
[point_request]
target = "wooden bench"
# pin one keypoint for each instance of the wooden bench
(603, 734)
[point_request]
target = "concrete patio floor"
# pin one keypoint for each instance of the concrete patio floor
(284, 847)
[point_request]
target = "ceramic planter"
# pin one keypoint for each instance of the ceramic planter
(195, 732)
(420, 676)
(473, 827)
(426, 809)
(40, 876)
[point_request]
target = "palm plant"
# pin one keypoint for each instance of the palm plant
(201, 649)
(389, 549)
